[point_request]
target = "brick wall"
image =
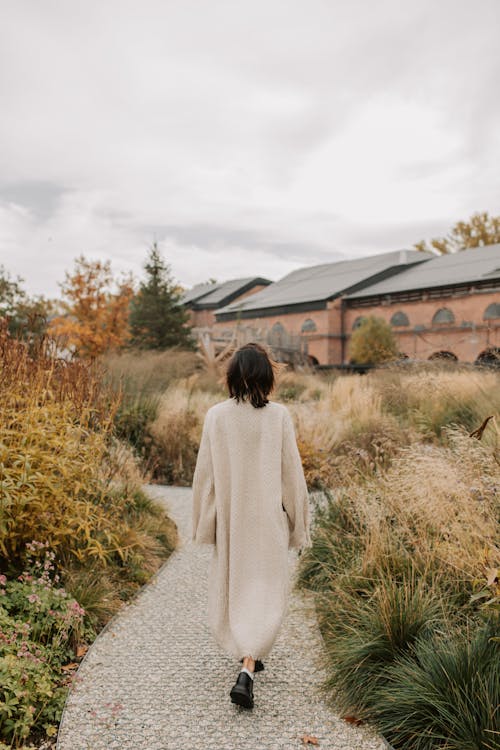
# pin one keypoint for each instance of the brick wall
(466, 337)
(315, 342)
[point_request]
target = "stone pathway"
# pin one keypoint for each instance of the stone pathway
(154, 679)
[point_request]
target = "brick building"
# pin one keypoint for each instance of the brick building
(203, 299)
(437, 305)
(301, 314)
(448, 306)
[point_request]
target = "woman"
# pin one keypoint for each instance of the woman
(250, 500)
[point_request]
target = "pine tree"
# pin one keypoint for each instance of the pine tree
(157, 319)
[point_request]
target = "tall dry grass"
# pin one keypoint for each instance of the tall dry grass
(405, 559)
(148, 371)
(435, 508)
(345, 425)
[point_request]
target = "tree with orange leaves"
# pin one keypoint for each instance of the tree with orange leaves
(95, 317)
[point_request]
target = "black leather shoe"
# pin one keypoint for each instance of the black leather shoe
(242, 691)
(259, 666)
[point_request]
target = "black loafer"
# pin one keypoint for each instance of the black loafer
(242, 691)
(259, 666)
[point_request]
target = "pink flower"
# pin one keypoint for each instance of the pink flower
(75, 607)
(33, 598)
(3, 580)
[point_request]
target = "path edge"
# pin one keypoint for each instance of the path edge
(115, 617)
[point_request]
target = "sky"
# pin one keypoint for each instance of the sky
(244, 137)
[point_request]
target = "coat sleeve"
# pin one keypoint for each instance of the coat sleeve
(204, 510)
(295, 497)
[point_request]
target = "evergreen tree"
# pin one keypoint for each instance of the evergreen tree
(157, 318)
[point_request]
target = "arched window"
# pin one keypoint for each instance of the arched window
(492, 311)
(489, 356)
(444, 355)
(400, 319)
(308, 325)
(443, 315)
(277, 335)
(358, 322)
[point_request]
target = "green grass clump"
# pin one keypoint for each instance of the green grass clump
(445, 692)
(364, 637)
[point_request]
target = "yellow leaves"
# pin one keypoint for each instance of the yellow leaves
(481, 229)
(54, 437)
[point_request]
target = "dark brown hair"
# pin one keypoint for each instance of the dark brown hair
(250, 374)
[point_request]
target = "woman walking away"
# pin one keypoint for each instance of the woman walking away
(250, 500)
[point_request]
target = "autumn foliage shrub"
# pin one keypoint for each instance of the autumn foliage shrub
(67, 486)
(55, 443)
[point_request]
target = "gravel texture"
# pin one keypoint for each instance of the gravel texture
(154, 679)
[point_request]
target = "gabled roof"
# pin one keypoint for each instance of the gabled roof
(198, 291)
(214, 295)
(480, 264)
(325, 281)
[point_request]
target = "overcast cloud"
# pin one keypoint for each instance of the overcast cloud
(245, 137)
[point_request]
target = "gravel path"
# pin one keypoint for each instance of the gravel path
(155, 680)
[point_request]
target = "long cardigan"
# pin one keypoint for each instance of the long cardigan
(250, 501)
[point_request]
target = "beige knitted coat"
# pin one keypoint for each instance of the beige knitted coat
(248, 467)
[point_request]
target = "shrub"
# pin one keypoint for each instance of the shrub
(66, 480)
(40, 626)
(373, 342)
(133, 418)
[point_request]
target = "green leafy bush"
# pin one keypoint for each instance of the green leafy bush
(40, 626)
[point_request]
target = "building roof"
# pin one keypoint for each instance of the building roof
(213, 295)
(480, 264)
(325, 281)
(198, 291)
(229, 289)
